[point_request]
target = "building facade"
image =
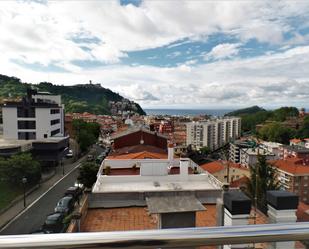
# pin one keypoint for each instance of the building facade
(37, 116)
(213, 133)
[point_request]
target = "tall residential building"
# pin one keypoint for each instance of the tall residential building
(37, 116)
(213, 133)
(36, 124)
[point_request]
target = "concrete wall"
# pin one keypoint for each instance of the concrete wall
(9, 122)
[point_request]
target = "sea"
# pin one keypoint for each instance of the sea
(188, 112)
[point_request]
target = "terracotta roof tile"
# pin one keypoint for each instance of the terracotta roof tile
(139, 155)
(292, 165)
(217, 166)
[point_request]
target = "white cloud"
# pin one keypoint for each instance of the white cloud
(38, 33)
(222, 51)
(275, 79)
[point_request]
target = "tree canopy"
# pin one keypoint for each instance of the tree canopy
(16, 167)
(262, 179)
(86, 133)
(88, 174)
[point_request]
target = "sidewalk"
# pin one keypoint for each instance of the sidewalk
(13, 211)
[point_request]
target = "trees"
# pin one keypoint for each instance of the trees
(88, 174)
(262, 179)
(86, 133)
(276, 132)
(303, 132)
(18, 166)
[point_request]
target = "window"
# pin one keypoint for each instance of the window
(25, 112)
(25, 124)
(55, 121)
(54, 111)
(54, 132)
(26, 135)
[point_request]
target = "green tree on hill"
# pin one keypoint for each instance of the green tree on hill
(276, 132)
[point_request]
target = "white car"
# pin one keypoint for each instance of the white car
(69, 154)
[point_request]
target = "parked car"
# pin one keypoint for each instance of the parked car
(53, 223)
(65, 205)
(69, 154)
(75, 192)
(90, 158)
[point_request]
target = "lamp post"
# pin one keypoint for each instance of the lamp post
(24, 181)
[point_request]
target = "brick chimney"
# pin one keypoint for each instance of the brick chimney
(282, 207)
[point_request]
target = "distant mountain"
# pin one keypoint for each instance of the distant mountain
(91, 98)
(245, 111)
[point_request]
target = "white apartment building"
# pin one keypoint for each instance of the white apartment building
(249, 156)
(37, 116)
(213, 133)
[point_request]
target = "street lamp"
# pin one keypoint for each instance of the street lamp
(24, 181)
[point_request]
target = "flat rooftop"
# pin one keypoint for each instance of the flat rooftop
(138, 218)
(150, 186)
(173, 204)
(13, 143)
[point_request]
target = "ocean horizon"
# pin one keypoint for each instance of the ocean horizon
(188, 112)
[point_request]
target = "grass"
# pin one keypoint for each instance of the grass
(8, 193)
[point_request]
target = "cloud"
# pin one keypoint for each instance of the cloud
(223, 51)
(105, 32)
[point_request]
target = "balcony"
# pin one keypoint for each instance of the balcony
(170, 238)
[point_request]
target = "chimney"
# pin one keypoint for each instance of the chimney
(282, 207)
(170, 152)
(184, 167)
(237, 207)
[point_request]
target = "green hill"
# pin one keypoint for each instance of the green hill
(244, 111)
(91, 98)
(254, 115)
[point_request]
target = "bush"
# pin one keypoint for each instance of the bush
(88, 174)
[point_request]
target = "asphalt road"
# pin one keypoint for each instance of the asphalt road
(33, 218)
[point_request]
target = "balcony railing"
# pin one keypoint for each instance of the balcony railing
(167, 238)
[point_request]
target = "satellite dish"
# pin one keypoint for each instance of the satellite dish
(142, 141)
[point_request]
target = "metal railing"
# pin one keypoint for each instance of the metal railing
(165, 238)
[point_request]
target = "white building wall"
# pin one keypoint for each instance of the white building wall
(9, 115)
(213, 133)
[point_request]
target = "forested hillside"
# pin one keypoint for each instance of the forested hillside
(91, 98)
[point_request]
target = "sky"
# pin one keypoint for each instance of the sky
(164, 54)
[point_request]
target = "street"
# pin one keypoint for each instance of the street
(33, 218)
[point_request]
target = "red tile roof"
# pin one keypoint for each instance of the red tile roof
(243, 181)
(302, 212)
(292, 165)
(217, 166)
(295, 140)
(139, 155)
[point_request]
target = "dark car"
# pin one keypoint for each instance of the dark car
(65, 205)
(54, 223)
(75, 192)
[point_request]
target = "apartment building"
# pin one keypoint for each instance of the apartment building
(249, 157)
(293, 175)
(236, 146)
(35, 124)
(37, 116)
(213, 133)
